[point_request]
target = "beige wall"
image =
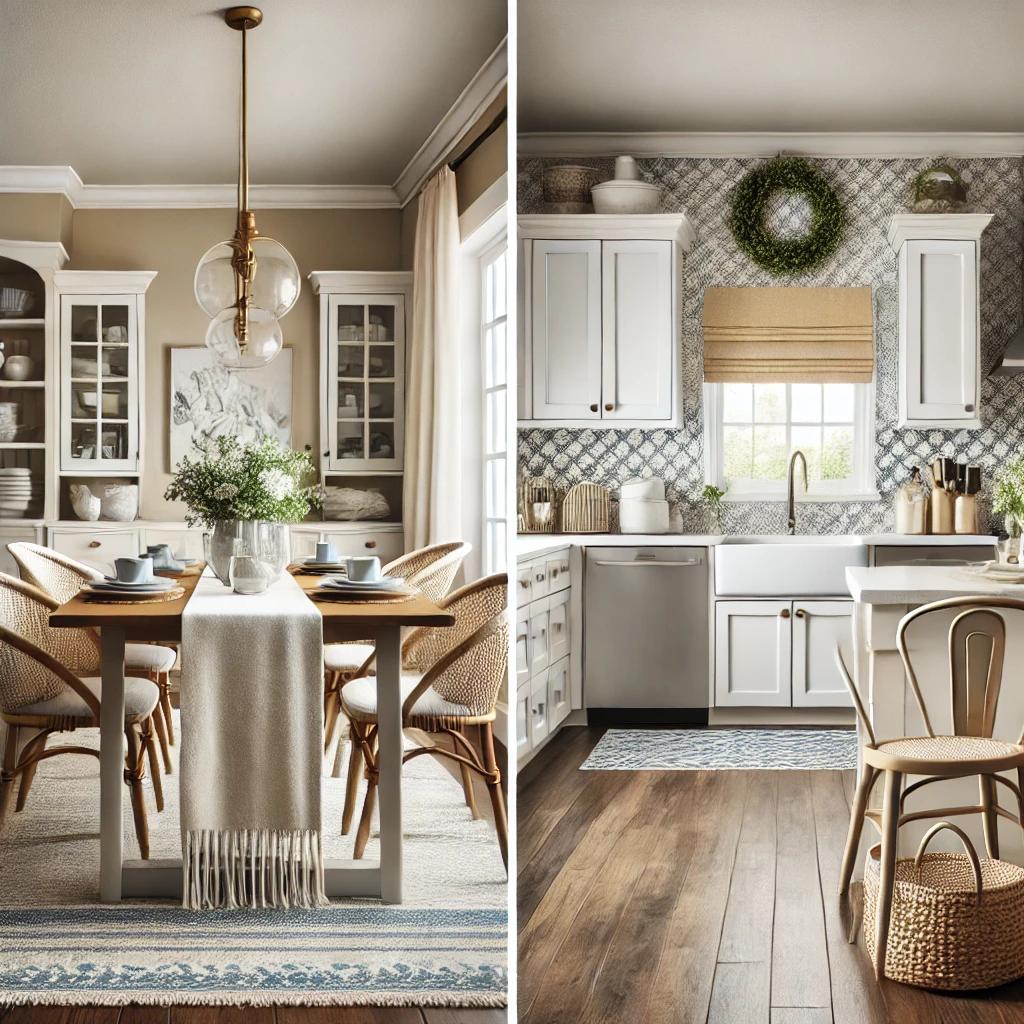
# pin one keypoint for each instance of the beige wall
(36, 217)
(483, 167)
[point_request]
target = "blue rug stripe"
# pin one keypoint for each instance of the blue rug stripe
(724, 750)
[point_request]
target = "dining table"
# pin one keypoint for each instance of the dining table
(160, 622)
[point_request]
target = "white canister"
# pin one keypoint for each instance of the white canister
(626, 169)
(643, 515)
(651, 488)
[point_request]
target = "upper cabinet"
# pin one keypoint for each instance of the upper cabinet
(102, 352)
(939, 317)
(363, 320)
(600, 320)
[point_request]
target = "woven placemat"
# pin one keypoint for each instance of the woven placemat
(339, 598)
(180, 574)
(95, 597)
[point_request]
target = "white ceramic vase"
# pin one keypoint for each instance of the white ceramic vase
(85, 503)
(120, 502)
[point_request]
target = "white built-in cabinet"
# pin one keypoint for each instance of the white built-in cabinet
(939, 317)
(781, 653)
(600, 324)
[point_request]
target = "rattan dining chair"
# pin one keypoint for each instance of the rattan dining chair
(62, 578)
(977, 644)
(41, 695)
(432, 570)
(454, 683)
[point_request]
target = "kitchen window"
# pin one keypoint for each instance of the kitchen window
(753, 429)
(494, 268)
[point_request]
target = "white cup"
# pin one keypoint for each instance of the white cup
(626, 169)
(363, 569)
(326, 552)
(134, 570)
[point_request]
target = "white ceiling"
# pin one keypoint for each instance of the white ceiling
(771, 65)
(146, 92)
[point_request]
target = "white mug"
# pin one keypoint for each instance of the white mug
(363, 569)
(325, 552)
(134, 570)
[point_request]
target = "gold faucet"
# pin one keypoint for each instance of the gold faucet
(789, 487)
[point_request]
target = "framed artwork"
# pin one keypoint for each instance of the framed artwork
(207, 399)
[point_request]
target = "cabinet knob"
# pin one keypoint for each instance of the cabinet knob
(94, 543)
(784, 614)
(371, 544)
(609, 407)
(800, 613)
(968, 408)
(593, 408)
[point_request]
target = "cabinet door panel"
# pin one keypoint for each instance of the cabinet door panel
(558, 623)
(539, 726)
(638, 330)
(523, 745)
(558, 694)
(753, 652)
(939, 363)
(817, 626)
(522, 646)
(566, 329)
(540, 648)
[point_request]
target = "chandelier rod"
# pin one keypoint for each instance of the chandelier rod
(243, 154)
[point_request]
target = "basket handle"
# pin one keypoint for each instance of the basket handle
(972, 854)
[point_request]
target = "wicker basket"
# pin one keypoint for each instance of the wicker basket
(586, 509)
(538, 505)
(957, 923)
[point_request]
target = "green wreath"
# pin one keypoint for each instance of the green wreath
(786, 255)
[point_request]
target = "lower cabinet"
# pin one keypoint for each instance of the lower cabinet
(98, 548)
(781, 653)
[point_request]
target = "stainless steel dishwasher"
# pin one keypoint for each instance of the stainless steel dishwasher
(645, 639)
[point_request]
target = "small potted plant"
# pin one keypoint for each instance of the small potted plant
(713, 496)
(1008, 501)
(246, 496)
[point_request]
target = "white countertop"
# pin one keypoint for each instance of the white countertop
(542, 543)
(920, 584)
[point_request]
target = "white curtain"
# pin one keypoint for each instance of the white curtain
(432, 496)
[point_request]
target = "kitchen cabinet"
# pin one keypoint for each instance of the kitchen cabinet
(600, 333)
(558, 693)
(781, 653)
(939, 318)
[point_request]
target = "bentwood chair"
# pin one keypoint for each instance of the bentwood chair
(40, 695)
(977, 644)
(432, 570)
(457, 674)
(62, 578)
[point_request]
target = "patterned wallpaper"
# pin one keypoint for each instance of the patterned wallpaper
(871, 190)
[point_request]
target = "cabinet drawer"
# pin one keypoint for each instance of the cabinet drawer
(97, 549)
(540, 638)
(539, 728)
(522, 646)
(558, 694)
(387, 546)
(538, 579)
(558, 625)
(304, 543)
(524, 584)
(557, 569)
(523, 722)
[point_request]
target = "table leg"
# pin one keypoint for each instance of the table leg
(111, 762)
(389, 738)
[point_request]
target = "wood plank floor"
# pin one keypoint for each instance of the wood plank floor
(698, 898)
(245, 1015)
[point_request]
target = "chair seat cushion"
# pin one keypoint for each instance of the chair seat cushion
(948, 750)
(347, 657)
(140, 697)
(150, 657)
(360, 698)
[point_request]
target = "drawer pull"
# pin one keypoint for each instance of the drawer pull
(525, 584)
(94, 543)
(539, 577)
(784, 614)
(800, 613)
(609, 407)
(370, 544)
(554, 574)
(558, 627)
(521, 636)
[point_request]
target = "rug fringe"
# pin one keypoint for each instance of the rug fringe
(312, 997)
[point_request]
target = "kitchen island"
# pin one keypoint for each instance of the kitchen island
(882, 596)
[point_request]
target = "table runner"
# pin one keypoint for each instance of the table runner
(251, 747)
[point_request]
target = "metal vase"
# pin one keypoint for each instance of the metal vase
(269, 542)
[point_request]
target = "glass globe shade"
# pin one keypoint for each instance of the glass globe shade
(276, 284)
(215, 280)
(265, 339)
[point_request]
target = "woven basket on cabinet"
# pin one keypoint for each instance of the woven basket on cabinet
(957, 922)
(586, 509)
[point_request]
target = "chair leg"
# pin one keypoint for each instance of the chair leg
(331, 709)
(355, 773)
(7, 771)
(164, 682)
(494, 788)
(1020, 800)
(860, 804)
(370, 801)
(887, 873)
(28, 767)
(467, 783)
(160, 729)
(149, 743)
(133, 776)
(989, 817)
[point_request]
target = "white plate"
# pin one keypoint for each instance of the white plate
(15, 471)
(157, 584)
(385, 583)
(312, 563)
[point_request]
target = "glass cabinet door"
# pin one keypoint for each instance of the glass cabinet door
(99, 402)
(365, 400)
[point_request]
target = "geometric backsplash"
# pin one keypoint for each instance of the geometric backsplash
(871, 191)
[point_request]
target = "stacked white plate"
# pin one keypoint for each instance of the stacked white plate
(385, 583)
(997, 572)
(18, 491)
(109, 585)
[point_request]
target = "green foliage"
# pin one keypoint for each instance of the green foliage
(262, 480)
(922, 185)
(781, 256)
(713, 495)
(1008, 498)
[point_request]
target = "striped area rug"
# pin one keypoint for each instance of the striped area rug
(723, 749)
(445, 946)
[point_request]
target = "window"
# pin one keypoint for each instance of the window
(495, 408)
(753, 429)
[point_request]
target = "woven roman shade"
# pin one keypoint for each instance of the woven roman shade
(788, 335)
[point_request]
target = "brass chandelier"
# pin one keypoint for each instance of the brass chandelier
(245, 285)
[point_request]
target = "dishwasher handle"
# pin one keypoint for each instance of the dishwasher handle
(646, 564)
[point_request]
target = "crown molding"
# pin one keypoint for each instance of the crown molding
(33, 178)
(747, 144)
(481, 92)
(668, 227)
(105, 282)
(945, 226)
(326, 282)
(494, 199)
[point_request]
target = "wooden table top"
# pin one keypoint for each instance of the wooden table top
(161, 620)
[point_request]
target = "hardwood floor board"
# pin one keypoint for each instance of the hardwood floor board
(573, 970)
(444, 1015)
(747, 931)
(222, 1015)
(62, 1015)
(913, 1004)
(349, 1015)
(741, 993)
(856, 998)
(571, 746)
(802, 1015)
(681, 993)
(544, 931)
(145, 1015)
(623, 987)
(601, 790)
(800, 968)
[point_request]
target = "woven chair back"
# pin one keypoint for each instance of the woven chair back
(431, 570)
(56, 574)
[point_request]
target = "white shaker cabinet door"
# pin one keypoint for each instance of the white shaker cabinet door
(639, 332)
(817, 627)
(939, 345)
(753, 648)
(566, 330)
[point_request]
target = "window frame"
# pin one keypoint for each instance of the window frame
(861, 486)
